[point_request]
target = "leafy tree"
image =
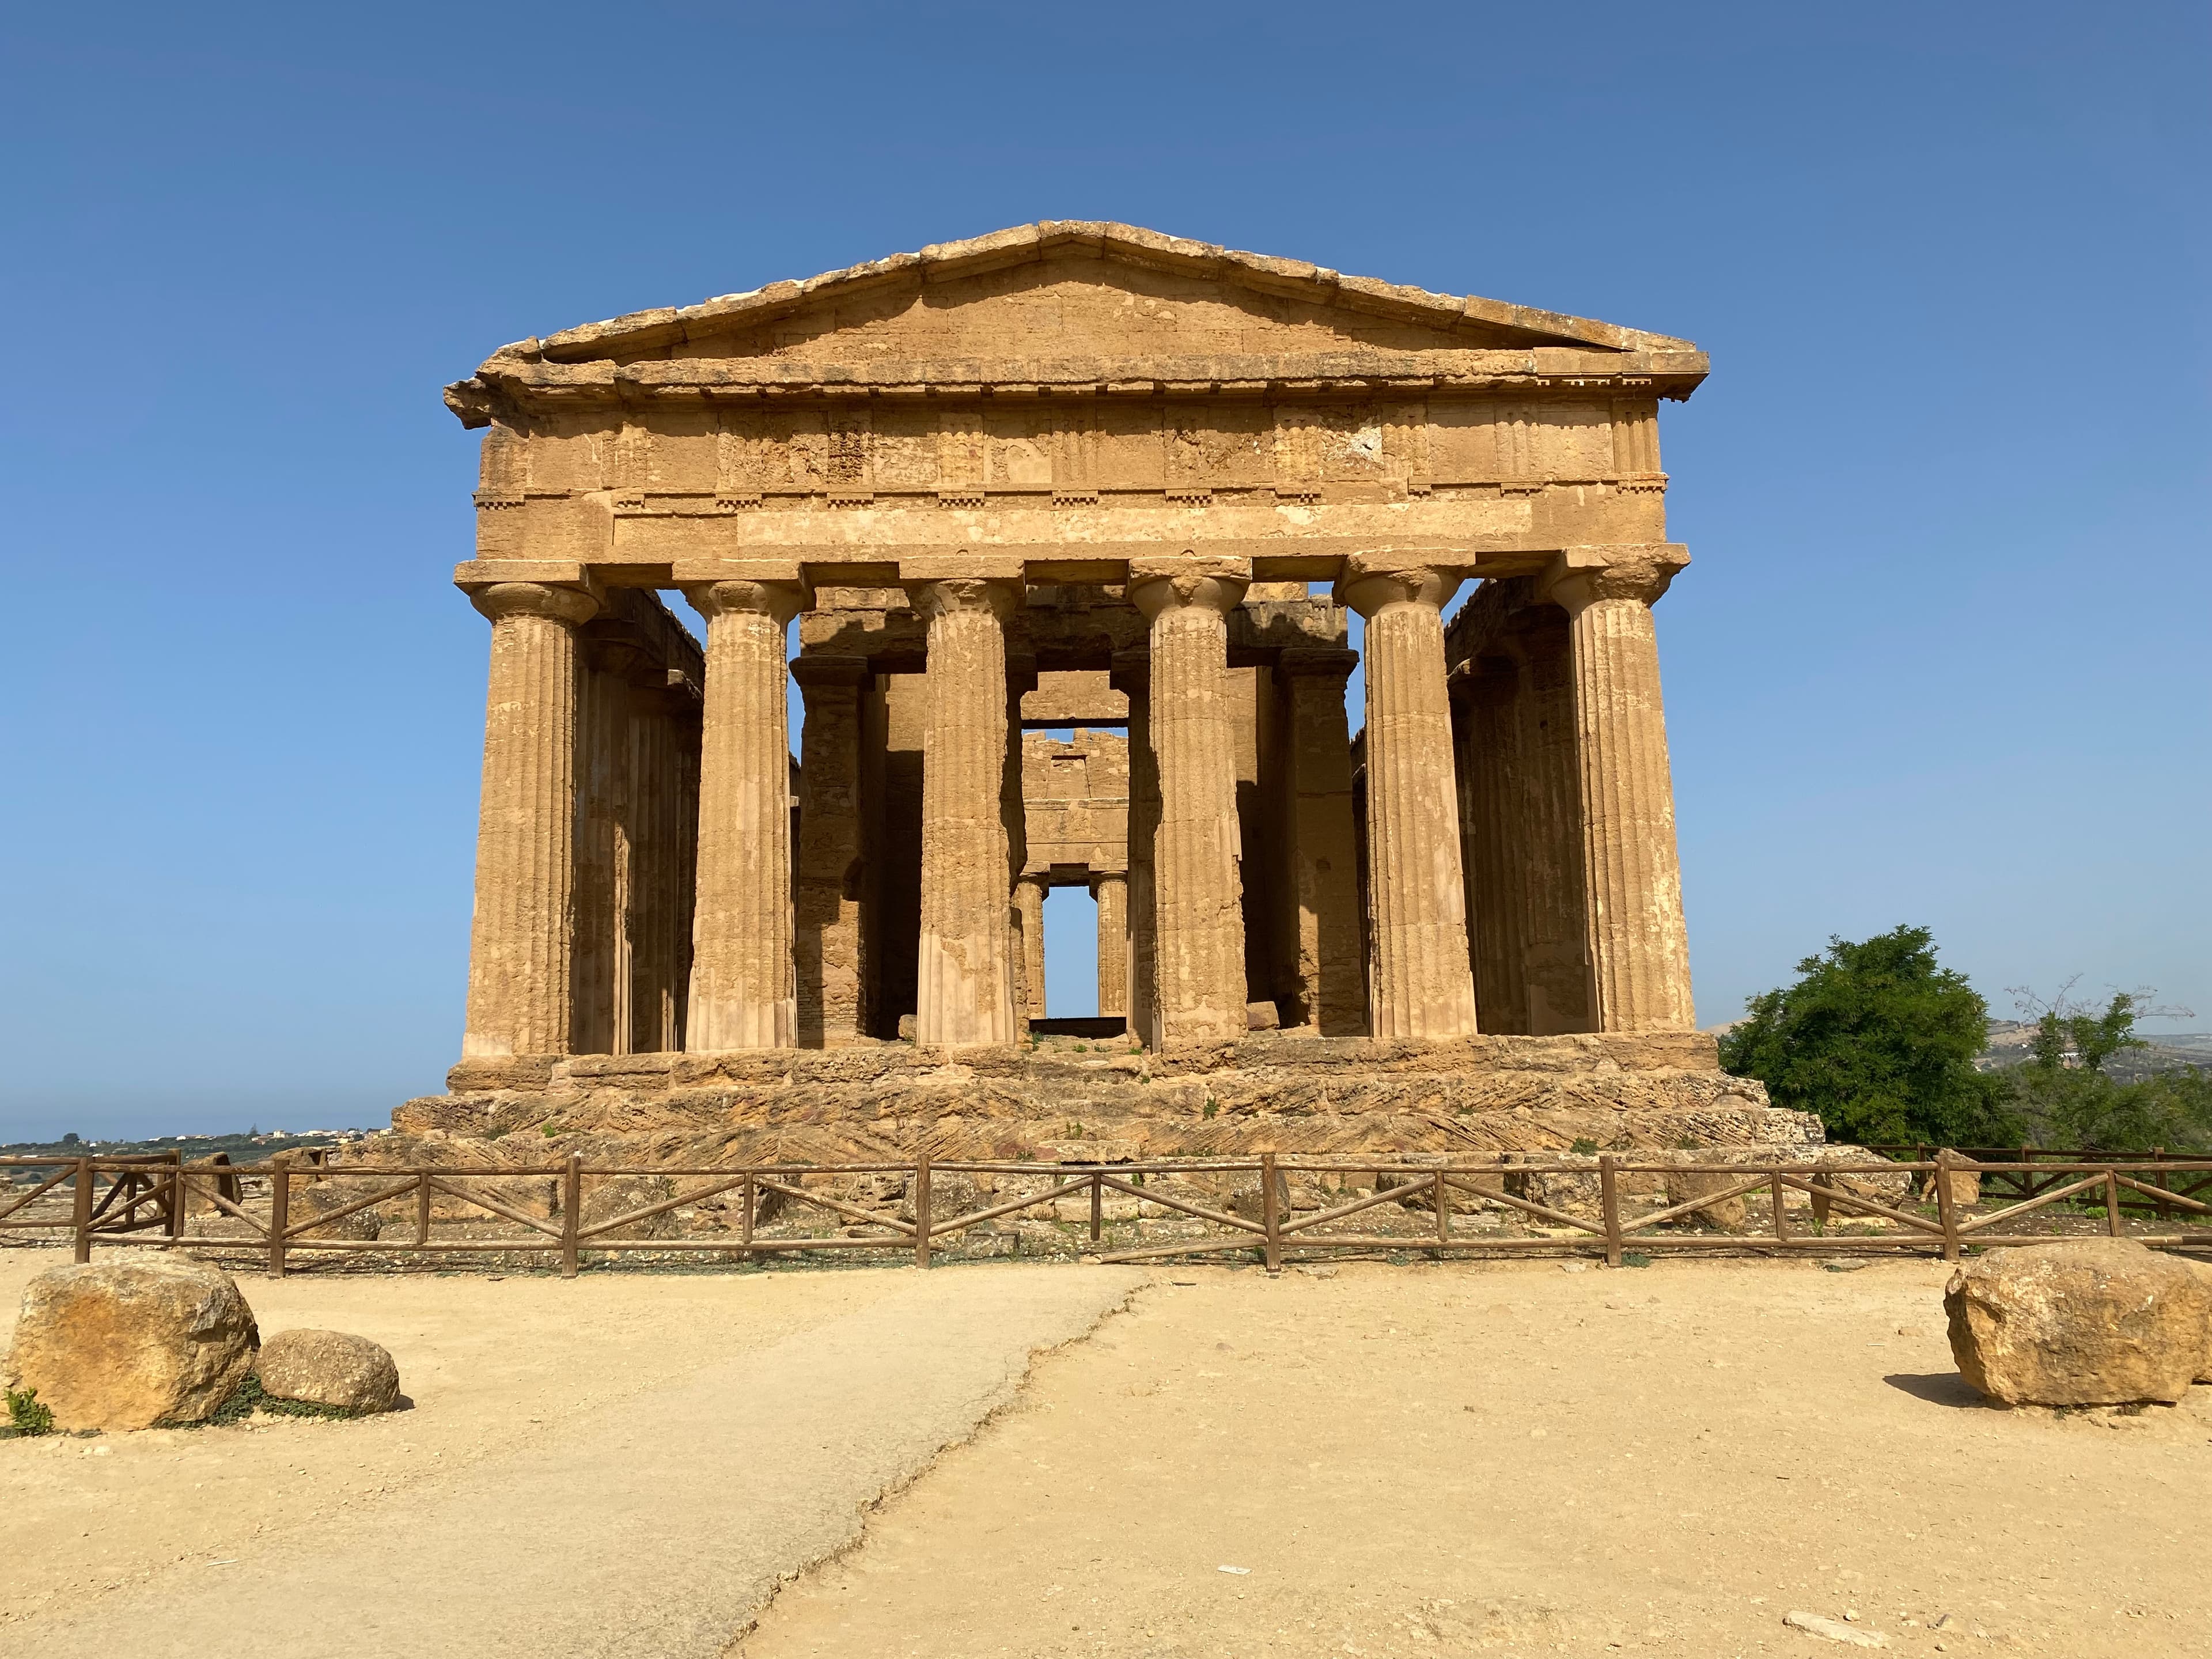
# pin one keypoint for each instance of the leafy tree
(1880, 1041)
(2065, 1098)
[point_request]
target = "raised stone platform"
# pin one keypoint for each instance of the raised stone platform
(1068, 1099)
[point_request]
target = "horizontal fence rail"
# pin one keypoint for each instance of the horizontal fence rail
(146, 1201)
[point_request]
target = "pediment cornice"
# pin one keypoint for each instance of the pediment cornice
(648, 355)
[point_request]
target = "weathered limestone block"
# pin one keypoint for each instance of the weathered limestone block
(523, 931)
(133, 1344)
(1423, 986)
(743, 993)
(1640, 946)
(2091, 1322)
(335, 1369)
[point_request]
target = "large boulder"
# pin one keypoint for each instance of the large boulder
(130, 1344)
(2089, 1322)
(329, 1368)
(1717, 1214)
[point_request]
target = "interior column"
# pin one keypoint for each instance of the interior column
(1112, 894)
(1317, 757)
(522, 931)
(966, 993)
(742, 989)
(1640, 946)
(828, 930)
(1199, 940)
(1132, 678)
(1424, 985)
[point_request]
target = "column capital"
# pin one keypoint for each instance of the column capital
(1578, 577)
(1100, 878)
(1173, 582)
(778, 601)
(812, 669)
(951, 596)
(1372, 581)
(1315, 662)
(564, 605)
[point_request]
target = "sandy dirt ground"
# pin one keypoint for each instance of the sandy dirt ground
(1513, 1459)
(624, 1464)
(1501, 1458)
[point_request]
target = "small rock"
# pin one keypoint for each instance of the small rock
(130, 1345)
(1313, 1271)
(1843, 1264)
(2089, 1322)
(1834, 1630)
(329, 1368)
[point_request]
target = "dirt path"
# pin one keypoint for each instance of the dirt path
(624, 1464)
(1513, 1459)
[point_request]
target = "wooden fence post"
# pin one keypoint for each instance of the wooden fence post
(280, 1217)
(572, 1220)
(1270, 1219)
(82, 1210)
(2113, 1224)
(173, 1225)
(1781, 1221)
(922, 1210)
(1444, 1214)
(1097, 1204)
(423, 1209)
(1944, 1212)
(2159, 1180)
(745, 1221)
(1608, 1203)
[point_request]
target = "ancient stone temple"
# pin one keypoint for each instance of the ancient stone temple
(1087, 479)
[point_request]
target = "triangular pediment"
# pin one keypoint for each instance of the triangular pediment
(1078, 289)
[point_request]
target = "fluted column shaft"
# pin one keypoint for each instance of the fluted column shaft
(1492, 797)
(966, 971)
(522, 931)
(1197, 896)
(1639, 946)
(1029, 896)
(1132, 677)
(1112, 894)
(1423, 986)
(743, 994)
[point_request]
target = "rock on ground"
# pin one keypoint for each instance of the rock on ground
(129, 1345)
(1725, 1215)
(1834, 1630)
(2091, 1322)
(329, 1368)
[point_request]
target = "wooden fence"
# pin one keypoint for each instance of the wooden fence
(145, 1201)
(2028, 1171)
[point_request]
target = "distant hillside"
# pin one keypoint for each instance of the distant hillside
(2011, 1040)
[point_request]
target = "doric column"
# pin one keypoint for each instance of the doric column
(1112, 894)
(1132, 678)
(829, 928)
(1199, 938)
(1029, 908)
(742, 989)
(1640, 947)
(1492, 799)
(1423, 986)
(966, 989)
(522, 931)
(1324, 859)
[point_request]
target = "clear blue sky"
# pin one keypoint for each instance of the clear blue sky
(1943, 657)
